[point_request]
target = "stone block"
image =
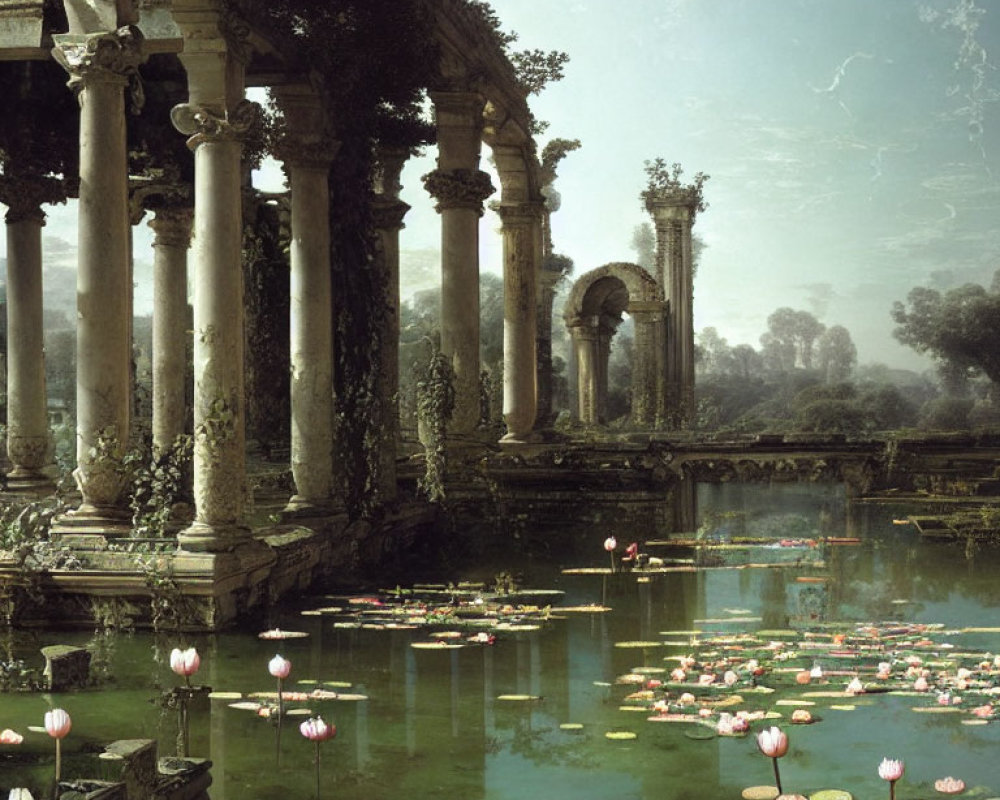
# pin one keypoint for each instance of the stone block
(138, 766)
(20, 23)
(66, 667)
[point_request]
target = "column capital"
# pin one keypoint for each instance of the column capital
(675, 208)
(459, 188)
(297, 151)
(520, 213)
(103, 57)
(204, 123)
(389, 162)
(388, 214)
(172, 226)
(460, 104)
(24, 195)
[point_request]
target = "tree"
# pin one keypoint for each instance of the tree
(644, 244)
(715, 351)
(960, 329)
(790, 338)
(836, 354)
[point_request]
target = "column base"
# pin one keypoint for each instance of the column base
(531, 437)
(90, 522)
(30, 482)
(300, 507)
(200, 537)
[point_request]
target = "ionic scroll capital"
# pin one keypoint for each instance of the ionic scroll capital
(204, 124)
(105, 57)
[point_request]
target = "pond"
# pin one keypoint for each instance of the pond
(528, 716)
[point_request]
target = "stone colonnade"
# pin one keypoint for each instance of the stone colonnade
(102, 53)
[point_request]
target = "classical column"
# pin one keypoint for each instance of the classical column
(100, 65)
(674, 217)
(520, 268)
(585, 344)
(27, 413)
(389, 211)
(172, 229)
(216, 136)
(460, 188)
(645, 377)
(307, 156)
(547, 282)
(606, 328)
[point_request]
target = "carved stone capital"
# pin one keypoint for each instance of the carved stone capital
(520, 213)
(172, 227)
(24, 196)
(389, 163)
(317, 154)
(459, 188)
(105, 57)
(203, 124)
(388, 214)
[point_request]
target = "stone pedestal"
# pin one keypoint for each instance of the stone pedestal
(460, 188)
(100, 66)
(27, 414)
(172, 227)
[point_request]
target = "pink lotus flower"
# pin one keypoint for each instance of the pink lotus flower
(611, 544)
(631, 552)
(678, 675)
(706, 679)
(891, 769)
(920, 684)
(855, 687)
(57, 723)
(185, 662)
(316, 730)
(772, 742)
(279, 667)
(7, 736)
(949, 785)
(740, 724)
(730, 678)
(686, 699)
(983, 711)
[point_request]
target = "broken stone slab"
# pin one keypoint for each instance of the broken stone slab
(66, 667)
(139, 766)
(91, 790)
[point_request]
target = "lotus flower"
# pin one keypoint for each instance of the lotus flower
(920, 684)
(316, 730)
(279, 667)
(7, 736)
(730, 678)
(891, 769)
(773, 743)
(803, 677)
(678, 675)
(855, 686)
(185, 662)
(57, 725)
(611, 544)
(949, 785)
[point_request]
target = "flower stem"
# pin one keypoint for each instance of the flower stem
(892, 790)
(317, 770)
(612, 560)
(777, 776)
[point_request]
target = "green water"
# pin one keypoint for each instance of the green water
(433, 728)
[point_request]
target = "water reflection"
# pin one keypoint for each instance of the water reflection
(433, 725)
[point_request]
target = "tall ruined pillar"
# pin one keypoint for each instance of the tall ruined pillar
(27, 413)
(389, 211)
(460, 188)
(585, 345)
(217, 119)
(172, 238)
(673, 207)
(307, 156)
(100, 65)
(606, 328)
(648, 317)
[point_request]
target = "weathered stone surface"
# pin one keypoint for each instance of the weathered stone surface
(21, 23)
(66, 667)
(138, 766)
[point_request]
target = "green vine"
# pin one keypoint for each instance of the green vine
(435, 405)
(157, 484)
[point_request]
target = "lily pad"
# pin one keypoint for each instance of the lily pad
(831, 794)
(225, 695)
(760, 793)
(245, 705)
(441, 645)
(522, 698)
(620, 735)
(571, 726)
(700, 732)
(637, 643)
(844, 707)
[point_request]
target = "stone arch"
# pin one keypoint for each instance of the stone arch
(593, 312)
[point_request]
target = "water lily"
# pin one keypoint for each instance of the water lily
(7, 736)
(315, 729)
(891, 769)
(949, 785)
(185, 662)
(279, 667)
(611, 544)
(855, 686)
(920, 684)
(730, 678)
(773, 743)
(57, 725)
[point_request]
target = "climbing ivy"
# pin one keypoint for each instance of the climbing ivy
(435, 405)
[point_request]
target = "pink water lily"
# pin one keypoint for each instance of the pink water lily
(891, 769)
(773, 743)
(7, 736)
(949, 785)
(57, 725)
(279, 667)
(315, 729)
(185, 662)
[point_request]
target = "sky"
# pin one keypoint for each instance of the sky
(852, 148)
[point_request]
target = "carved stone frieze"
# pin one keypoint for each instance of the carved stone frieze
(203, 124)
(104, 57)
(459, 188)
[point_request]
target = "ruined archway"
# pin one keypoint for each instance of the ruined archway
(593, 312)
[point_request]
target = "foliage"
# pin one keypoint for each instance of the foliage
(790, 339)
(435, 406)
(959, 328)
(555, 150)
(157, 483)
(535, 69)
(644, 244)
(836, 354)
(664, 183)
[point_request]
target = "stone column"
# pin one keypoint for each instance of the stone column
(547, 282)
(520, 269)
(307, 157)
(27, 412)
(460, 188)
(389, 211)
(100, 65)
(674, 218)
(645, 378)
(585, 336)
(605, 333)
(216, 136)
(172, 229)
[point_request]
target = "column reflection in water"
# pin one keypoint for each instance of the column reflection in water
(535, 661)
(361, 730)
(455, 693)
(217, 721)
(410, 702)
(489, 720)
